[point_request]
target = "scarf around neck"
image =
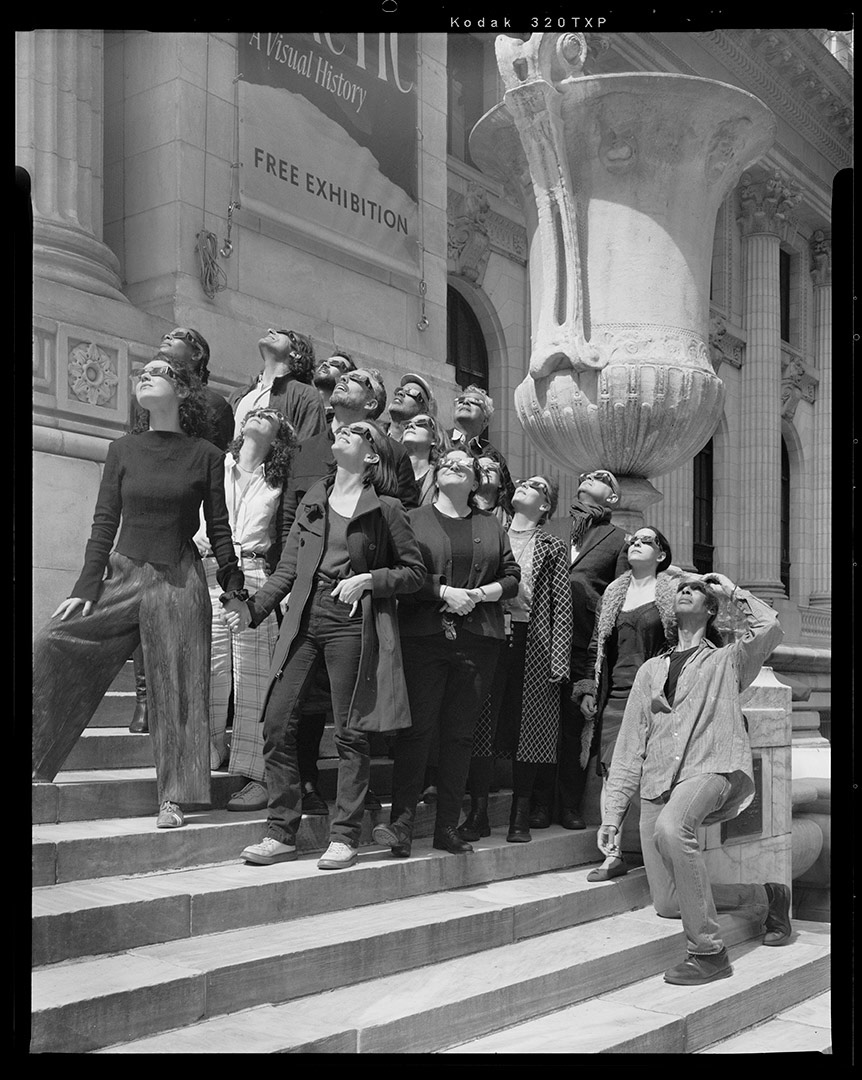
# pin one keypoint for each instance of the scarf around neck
(584, 516)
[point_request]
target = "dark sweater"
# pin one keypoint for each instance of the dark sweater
(156, 481)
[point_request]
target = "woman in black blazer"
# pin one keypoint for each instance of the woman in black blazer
(451, 633)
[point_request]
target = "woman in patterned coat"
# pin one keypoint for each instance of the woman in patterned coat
(525, 697)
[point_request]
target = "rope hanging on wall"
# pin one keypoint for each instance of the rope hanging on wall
(213, 278)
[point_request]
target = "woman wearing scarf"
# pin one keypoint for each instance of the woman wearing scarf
(634, 622)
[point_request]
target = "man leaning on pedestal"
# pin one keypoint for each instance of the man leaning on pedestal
(684, 742)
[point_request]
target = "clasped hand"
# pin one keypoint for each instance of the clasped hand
(461, 601)
(236, 616)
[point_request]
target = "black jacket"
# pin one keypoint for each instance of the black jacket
(602, 558)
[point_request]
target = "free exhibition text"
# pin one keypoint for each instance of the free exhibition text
(322, 188)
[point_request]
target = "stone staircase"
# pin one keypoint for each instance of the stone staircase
(162, 941)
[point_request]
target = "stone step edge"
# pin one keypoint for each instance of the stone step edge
(776, 1029)
(100, 998)
(670, 1027)
(490, 990)
(192, 899)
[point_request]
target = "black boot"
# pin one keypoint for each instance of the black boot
(476, 824)
(140, 723)
(519, 821)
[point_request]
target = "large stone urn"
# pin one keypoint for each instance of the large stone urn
(621, 177)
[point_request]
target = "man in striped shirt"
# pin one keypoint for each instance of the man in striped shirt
(684, 742)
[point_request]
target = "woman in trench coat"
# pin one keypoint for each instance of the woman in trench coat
(350, 552)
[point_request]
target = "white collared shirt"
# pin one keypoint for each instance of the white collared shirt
(250, 507)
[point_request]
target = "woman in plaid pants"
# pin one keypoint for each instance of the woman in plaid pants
(255, 470)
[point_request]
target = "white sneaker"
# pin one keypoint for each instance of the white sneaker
(269, 851)
(338, 856)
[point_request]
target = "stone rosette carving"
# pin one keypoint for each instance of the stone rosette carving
(766, 204)
(92, 377)
(469, 243)
(799, 382)
(821, 258)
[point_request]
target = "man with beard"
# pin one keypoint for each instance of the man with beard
(412, 398)
(327, 373)
(288, 361)
(598, 555)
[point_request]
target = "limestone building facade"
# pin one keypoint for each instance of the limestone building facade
(324, 183)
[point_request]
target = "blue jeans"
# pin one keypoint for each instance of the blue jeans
(327, 634)
(676, 870)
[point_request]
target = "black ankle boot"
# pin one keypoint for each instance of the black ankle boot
(140, 723)
(476, 824)
(519, 821)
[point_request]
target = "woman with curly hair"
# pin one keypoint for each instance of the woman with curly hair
(493, 495)
(256, 468)
(350, 552)
(150, 589)
(425, 440)
(634, 621)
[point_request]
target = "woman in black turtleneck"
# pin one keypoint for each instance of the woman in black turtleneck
(154, 592)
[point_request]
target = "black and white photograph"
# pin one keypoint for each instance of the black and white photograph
(431, 535)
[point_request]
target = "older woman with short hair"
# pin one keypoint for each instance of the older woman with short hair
(451, 633)
(350, 551)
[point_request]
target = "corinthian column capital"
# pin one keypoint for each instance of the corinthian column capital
(766, 204)
(821, 258)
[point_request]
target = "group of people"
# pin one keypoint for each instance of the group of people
(287, 550)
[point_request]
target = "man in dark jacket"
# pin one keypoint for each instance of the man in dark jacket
(598, 555)
(284, 384)
(357, 395)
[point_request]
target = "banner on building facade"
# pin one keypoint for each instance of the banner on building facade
(328, 141)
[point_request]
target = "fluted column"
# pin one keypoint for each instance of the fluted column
(763, 208)
(674, 515)
(59, 142)
(821, 274)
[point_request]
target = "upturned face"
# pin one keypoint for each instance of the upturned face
(353, 390)
(595, 487)
(532, 497)
(155, 384)
(407, 401)
(470, 408)
(179, 344)
(692, 600)
(418, 433)
(644, 549)
(354, 445)
(277, 343)
(329, 371)
(455, 473)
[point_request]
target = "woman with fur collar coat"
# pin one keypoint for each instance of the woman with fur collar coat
(634, 621)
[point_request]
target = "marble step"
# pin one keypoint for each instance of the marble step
(110, 847)
(428, 1008)
(804, 1028)
(652, 1017)
(105, 915)
(115, 747)
(121, 790)
(115, 710)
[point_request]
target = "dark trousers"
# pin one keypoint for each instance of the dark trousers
(447, 681)
(165, 608)
(500, 724)
(327, 634)
(566, 780)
